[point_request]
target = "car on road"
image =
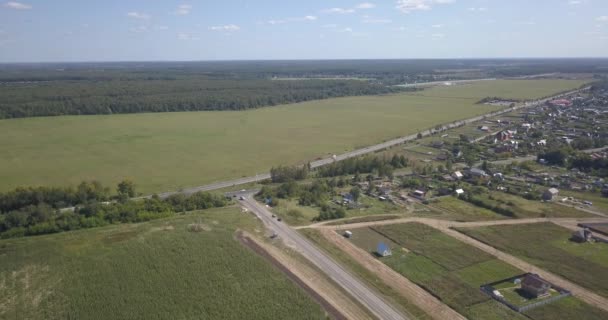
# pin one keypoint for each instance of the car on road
(241, 198)
(274, 215)
(279, 219)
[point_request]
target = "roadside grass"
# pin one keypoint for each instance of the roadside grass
(524, 208)
(155, 270)
(294, 214)
(467, 211)
(548, 246)
(172, 151)
(366, 276)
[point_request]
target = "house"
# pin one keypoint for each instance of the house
(484, 128)
(582, 236)
(561, 103)
(477, 172)
(503, 136)
(447, 177)
(534, 286)
(459, 192)
(419, 194)
(383, 250)
(457, 175)
(550, 194)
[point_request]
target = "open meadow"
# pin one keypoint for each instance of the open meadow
(452, 271)
(549, 247)
(155, 270)
(169, 151)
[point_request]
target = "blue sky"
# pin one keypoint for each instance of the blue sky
(128, 30)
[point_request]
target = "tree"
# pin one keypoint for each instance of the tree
(356, 193)
(126, 189)
(469, 159)
(448, 165)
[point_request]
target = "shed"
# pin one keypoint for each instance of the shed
(348, 234)
(550, 194)
(477, 172)
(535, 286)
(459, 192)
(383, 250)
(457, 175)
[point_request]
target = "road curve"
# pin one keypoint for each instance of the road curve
(368, 298)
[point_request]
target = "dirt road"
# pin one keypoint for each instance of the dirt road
(409, 290)
(446, 227)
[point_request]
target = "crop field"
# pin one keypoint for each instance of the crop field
(169, 151)
(548, 246)
(451, 270)
(155, 270)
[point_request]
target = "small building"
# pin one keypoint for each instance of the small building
(561, 103)
(503, 136)
(534, 286)
(582, 236)
(419, 194)
(484, 128)
(383, 250)
(477, 172)
(457, 175)
(348, 234)
(550, 194)
(459, 192)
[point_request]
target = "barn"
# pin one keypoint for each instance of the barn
(383, 250)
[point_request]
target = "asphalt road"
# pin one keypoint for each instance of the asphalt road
(368, 298)
(366, 150)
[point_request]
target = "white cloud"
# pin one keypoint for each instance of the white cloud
(297, 19)
(376, 20)
(365, 5)
(17, 5)
(407, 6)
(477, 9)
(574, 2)
(602, 19)
(338, 10)
(438, 35)
(228, 28)
(329, 26)
(183, 9)
(437, 26)
(186, 36)
(162, 28)
(138, 15)
(346, 30)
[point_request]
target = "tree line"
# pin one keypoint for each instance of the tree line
(365, 164)
(35, 211)
(90, 97)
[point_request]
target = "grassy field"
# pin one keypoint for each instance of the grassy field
(524, 208)
(449, 269)
(169, 151)
(548, 246)
(155, 270)
(452, 271)
(467, 211)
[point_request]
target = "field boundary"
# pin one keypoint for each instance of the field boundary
(248, 242)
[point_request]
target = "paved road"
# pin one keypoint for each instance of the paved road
(367, 297)
(370, 149)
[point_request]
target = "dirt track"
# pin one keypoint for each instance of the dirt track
(446, 227)
(409, 290)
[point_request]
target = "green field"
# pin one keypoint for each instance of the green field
(548, 246)
(155, 270)
(524, 208)
(169, 151)
(464, 210)
(449, 269)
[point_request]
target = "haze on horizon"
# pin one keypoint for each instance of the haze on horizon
(141, 30)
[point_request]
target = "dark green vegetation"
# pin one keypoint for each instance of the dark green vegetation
(34, 211)
(450, 270)
(164, 269)
(548, 246)
(384, 167)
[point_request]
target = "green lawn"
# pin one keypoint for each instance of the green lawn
(524, 208)
(548, 246)
(449, 269)
(465, 210)
(155, 270)
(168, 151)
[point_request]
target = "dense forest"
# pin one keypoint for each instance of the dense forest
(30, 90)
(35, 211)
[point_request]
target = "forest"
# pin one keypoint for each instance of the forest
(34, 90)
(44, 210)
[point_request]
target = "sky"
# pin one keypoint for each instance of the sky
(162, 30)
